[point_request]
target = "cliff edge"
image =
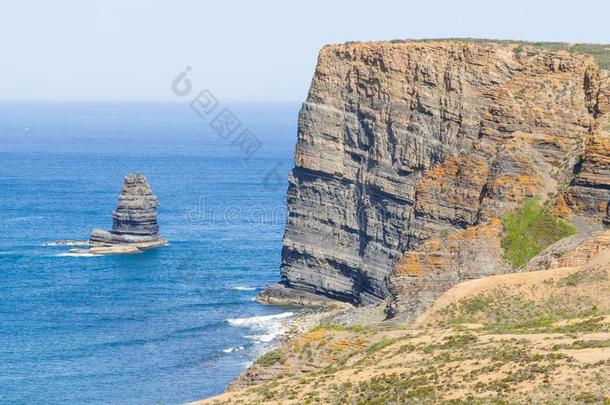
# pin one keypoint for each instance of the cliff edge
(403, 142)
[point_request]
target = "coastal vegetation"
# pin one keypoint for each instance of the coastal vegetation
(520, 338)
(270, 358)
(601, 52)
(531, 228)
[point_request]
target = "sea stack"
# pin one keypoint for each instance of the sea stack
(134, 222)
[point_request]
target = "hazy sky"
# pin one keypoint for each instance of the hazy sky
(241, 50)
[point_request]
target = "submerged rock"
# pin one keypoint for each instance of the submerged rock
(134, 222)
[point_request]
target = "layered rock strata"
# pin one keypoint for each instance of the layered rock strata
(400, 142)
(420, 276)
(134, 222)
(574, 251)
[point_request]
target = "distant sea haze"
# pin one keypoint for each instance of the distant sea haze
(170, 325)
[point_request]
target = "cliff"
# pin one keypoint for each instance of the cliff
(409, 154)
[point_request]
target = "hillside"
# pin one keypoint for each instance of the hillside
(533, 337)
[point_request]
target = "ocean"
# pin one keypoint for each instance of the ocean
(170, 325)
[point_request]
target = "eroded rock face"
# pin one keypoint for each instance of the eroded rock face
(574, 251)
(399, 142)
(135, 219)
(439, 263)
(589, 193)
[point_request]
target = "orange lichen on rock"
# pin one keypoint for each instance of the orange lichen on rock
(441, 262)
(409, 265)
(589, 193)
(517, 187)
(313, 336)
(436, 254)
(561, 209)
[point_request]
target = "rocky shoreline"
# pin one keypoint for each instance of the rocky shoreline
(313, 315)
(119, 248)
(519, 337)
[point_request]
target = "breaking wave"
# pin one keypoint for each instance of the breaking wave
(243, 288)
(270, 326)
(75, 255)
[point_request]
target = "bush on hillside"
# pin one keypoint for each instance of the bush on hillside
(530, 229)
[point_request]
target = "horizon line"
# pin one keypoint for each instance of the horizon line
(140, 101)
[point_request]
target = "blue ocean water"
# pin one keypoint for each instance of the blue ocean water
(166, 326)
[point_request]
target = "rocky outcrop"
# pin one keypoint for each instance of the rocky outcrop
(589, 192)
(439, 263)
(573, 251)
(134, 222)
(279, 294)
(399, 142)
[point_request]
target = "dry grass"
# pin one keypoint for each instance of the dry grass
(475, 346)
(601, 52)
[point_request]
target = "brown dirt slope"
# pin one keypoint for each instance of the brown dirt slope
(540, 337)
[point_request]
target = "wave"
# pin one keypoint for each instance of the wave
(243, 288)
(262, 320)
(196, 329)
(75, 255)
(233, 349)
(12, 253)
(272, 326)
(267, 337)
(67, 243)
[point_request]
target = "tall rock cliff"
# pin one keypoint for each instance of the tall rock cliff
(399, 143)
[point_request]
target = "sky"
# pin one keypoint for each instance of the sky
(265, 50)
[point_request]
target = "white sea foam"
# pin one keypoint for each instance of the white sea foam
(67, 243)
(271, 326)
(233, 349)
(263, 320)
(75, 255)
(267, 337)
(243, 288)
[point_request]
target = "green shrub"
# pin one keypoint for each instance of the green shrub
(529, 229)
(583, 344)
(337, 327)
(503, 311)
(587, 276)
(379, 345)
(270, 358)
